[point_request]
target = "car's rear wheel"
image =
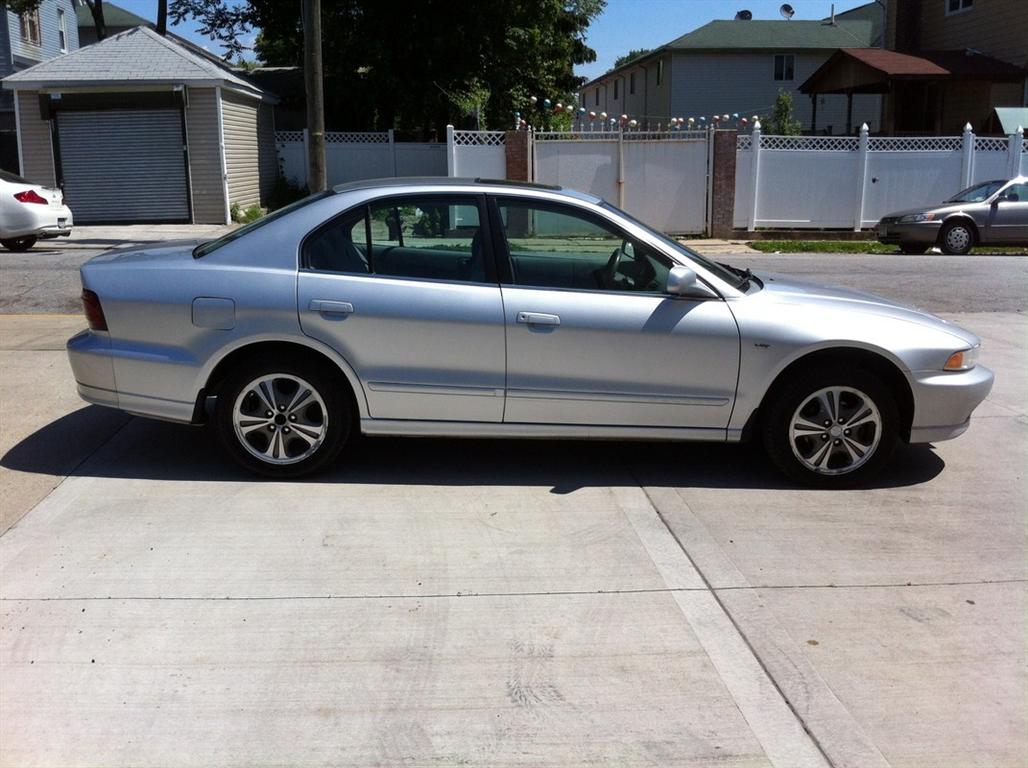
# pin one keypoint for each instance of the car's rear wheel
(914, 249)
(18, 243)
(282, 420)
(831, 426)
(957, 238)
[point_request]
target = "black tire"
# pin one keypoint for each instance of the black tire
(18, 243)
(957, 238)
(786, 402)
(330, 407)
(914, 249)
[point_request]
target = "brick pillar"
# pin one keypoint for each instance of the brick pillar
(722, 213)
(519, 155)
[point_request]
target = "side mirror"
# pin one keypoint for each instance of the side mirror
(682, 281)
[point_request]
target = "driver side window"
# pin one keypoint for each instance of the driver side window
(554, 246)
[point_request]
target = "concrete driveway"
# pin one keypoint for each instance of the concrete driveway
(433, 602)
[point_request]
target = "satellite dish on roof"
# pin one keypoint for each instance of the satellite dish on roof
(787, 11)
(744, 15)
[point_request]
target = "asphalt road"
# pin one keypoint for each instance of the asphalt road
(46, 279)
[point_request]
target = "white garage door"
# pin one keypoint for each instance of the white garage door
(123, 165)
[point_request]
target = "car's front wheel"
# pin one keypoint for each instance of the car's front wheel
(832, 426)
(957, 238)
(18, 243)
(282, 420)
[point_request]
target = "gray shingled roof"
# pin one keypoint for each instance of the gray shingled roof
(137, 56)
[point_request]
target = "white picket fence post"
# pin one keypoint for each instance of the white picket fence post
(967, 162)
(861, 176)
(754, 174)
(1014, 153)
(451, 153)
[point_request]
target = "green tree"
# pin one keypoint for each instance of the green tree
(782, 123)
(417, 65)
(635, 53)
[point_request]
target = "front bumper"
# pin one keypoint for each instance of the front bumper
(943, 402)
(894, 233)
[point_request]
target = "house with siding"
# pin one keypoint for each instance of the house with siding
(739, 66)
(137, 128)
(946, 63)
(25, 40)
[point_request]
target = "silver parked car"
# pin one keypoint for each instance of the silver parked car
(490, 309)
(990, 213)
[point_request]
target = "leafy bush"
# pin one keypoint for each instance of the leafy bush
(245, 215)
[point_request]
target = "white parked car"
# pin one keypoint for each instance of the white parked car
(29, 211)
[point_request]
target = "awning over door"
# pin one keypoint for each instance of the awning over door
(123, 165)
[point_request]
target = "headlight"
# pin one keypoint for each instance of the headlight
(964, 360)
(914, 218)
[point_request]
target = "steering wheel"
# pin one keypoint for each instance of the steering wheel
(609, 272)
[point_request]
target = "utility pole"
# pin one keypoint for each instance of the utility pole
(312, 73)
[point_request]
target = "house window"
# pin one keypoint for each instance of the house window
(596, 103)
(615, 90)
(62, 31)
(30, 27)
(785, 64)
(958, 6)
(631, 83)
(660, 71)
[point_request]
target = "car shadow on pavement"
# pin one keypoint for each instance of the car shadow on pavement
(152, 450)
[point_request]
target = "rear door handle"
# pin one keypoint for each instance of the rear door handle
(538, 318)
(330, 307)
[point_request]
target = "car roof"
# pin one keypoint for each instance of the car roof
(478, 184)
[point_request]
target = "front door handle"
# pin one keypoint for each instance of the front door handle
(538, 318)
(326, 307)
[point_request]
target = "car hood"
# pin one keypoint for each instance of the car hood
(139, 255)
(788, 290)
(941, 209)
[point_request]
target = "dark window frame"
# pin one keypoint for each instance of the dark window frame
(962, 6)
(660, 71)
(631, 84)
(397, 202)
(788, 68)
(616, 88)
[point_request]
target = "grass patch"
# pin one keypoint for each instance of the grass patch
(854, 246)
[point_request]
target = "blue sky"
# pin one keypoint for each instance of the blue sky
(624, 25)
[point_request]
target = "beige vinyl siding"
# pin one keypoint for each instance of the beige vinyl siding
(997, 28)
(242, 149)
(37, 154)
(205, 157)
(267, 154)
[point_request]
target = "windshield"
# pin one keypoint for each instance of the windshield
(734, 277)
(13, 178)
(202, 250)
(978, 193)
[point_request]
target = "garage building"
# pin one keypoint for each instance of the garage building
(137, 128)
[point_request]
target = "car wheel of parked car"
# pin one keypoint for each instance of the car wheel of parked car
(957, 238)
(914, 249)
(282, 420)
(831, 426)
(18, 243)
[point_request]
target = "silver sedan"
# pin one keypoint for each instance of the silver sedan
(990, 213)
(462, 308)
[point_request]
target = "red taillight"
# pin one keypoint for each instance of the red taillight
(30, 196)
(94, 312)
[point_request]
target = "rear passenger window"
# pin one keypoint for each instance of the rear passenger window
(432, 238)
(435, 238)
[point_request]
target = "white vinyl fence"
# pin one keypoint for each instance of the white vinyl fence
(657, 176)
(476, 154)
(831, 182)
(352, 155)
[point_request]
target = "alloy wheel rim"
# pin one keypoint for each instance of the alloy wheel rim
(835, 430)
(280, 419)
(958, 238)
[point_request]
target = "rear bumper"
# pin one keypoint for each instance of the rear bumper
(25, 221)
(943, 402)
(895, 233)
